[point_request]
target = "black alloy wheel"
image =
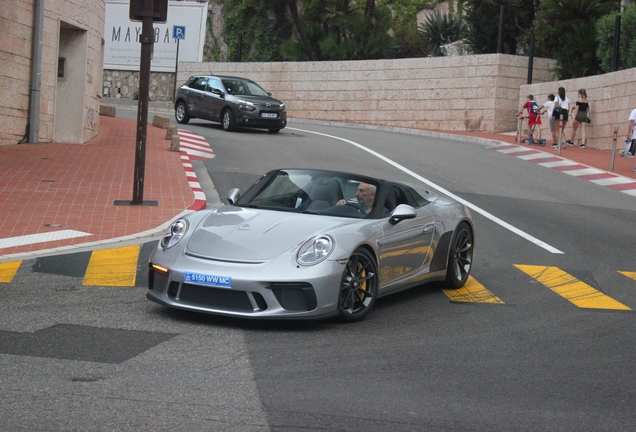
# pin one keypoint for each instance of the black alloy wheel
(460, 258)
(358, 287)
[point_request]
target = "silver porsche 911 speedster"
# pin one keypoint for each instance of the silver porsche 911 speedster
(303, 243)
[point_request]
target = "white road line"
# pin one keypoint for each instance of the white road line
(473, 207)
(40, 238)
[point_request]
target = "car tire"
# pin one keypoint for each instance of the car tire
(460, 257)
(227, 120)
(274, 131)
(358, 287)
(181, 113)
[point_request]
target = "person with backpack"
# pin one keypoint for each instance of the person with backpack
(534, 119)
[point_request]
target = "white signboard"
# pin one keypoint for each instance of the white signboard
(122, 49)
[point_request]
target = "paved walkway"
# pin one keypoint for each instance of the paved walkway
(58, 197)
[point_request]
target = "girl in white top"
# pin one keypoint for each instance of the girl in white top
(560, 113)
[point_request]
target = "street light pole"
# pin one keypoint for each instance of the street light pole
(147, 41)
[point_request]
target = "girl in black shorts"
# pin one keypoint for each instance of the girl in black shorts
(560, 112)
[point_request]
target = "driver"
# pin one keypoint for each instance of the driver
(365, 196)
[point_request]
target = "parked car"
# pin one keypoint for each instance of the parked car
(300, 244)
(232, 101)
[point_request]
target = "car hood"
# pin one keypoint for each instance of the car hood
(239, 234)
(259, 100)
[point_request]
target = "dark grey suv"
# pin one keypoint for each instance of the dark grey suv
(232, 101)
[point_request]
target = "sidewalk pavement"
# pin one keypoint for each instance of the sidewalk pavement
(58, 197)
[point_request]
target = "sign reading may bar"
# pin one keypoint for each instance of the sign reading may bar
(121, 36)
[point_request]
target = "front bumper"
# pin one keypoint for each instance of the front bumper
(254, 292)
(255, 119)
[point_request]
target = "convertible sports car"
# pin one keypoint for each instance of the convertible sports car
(306, 243)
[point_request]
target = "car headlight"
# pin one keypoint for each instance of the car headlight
(245, 105)
(315, 250)
(174, 233)
(282, 107)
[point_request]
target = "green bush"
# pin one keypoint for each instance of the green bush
(627, 43)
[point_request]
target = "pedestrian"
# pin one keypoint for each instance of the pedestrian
(631, 136)
(580, 116)
(534, 119)
(560, 113)
(548, 107)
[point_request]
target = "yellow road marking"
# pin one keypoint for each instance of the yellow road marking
(631, 275)
(472, 292)
(8, 270)
(113, 267)
(570, 288)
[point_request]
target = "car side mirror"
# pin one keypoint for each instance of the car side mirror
(217, 92)
(402, 212)
(233, 195)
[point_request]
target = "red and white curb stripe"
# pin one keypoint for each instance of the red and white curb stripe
(194, 147)
(595, 175)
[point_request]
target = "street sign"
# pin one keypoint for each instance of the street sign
(178, 32)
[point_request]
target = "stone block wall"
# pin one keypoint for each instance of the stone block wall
(121, 84)
(16, 22)
(464, 93)
(611, 96)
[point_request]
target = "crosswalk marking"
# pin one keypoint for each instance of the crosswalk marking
(8, 270)
(113, 267)
(472, 292)
(41, 238)
(631, 275)
(118, 267)
(570, 288)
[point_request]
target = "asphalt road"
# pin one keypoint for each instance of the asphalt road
(79, 357)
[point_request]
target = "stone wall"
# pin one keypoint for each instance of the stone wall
(16, 22)
(611, 96)
(125, 85)
(464, 93)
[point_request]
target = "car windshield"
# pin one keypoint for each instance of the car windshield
(238, 86)
(313, 191)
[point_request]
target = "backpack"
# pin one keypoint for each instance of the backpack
(535, 107)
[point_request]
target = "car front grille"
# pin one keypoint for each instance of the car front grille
(215, 298)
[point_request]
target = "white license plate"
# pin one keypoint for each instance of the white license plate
(209, 280)
(269, 115)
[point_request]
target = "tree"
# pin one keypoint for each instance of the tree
(567, 33)
(605, 38)
(439, 29)
(482, 24)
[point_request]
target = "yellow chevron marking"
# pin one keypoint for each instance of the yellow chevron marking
(472, 292)
(113, 267)
(570, 288)
(631, 275)
(8, 270)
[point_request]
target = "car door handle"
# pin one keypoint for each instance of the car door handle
(428, 228)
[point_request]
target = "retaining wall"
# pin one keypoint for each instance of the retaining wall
(463, 93)
(612, 96)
